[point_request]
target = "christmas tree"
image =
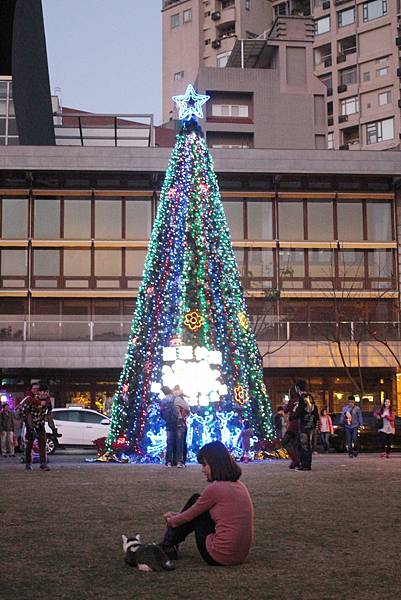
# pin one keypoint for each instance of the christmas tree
(191, 325)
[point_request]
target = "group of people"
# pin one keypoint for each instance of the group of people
(26, 424)
(298, 433)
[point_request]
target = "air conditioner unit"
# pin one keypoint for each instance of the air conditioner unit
(341, 58)
(216, 15)
(342, 88)
(327, 62)
(216, 44)
(326, 5)
(344, 147)
(343, 118)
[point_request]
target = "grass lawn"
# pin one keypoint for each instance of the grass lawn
(333, 533)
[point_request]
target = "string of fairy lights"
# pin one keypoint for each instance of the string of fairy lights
(190, 296)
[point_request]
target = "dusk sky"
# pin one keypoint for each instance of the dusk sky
(105, 55)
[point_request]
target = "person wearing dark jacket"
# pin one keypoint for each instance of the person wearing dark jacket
(305, 414)
(290, 439)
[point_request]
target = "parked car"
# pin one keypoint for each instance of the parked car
(368, 438)
(78, 426)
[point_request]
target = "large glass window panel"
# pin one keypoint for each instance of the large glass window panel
(235, 217)
(260, 220)
(351, 264)
(134, 262)
(291, 220)
(13, 263)
(108, 263)
(350, 221)
(380, 263)
(292, 264)
(14, 218)
(46, 262)
(77, 218)
(320, 220)
(77, 263)
(321, 263)
(240, 260)
(108, 219)
(379, 221)
(47, 218)
(138, 219)
(260, 263)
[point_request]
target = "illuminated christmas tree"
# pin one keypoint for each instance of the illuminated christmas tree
(191, 324)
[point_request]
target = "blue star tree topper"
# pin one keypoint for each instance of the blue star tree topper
(190, 104)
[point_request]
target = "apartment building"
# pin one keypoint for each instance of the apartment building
(267, 96)
(357, 56)
(202, 33)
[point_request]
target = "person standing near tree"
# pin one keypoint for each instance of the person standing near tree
(182, 430)
(170, 414)
(387, 430)
(325, 429)
(290, 439)
(351, 418)
(7, 431)
(37, 411)
(306, 417)
(279, 423)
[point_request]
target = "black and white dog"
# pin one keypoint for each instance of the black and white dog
(145, 557)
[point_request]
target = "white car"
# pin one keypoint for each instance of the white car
(79, 426)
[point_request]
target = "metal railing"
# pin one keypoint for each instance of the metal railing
(109, 328)
(86, 129)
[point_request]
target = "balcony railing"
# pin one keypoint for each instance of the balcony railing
(109, 328)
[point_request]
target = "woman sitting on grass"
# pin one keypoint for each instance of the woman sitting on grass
(221, 517)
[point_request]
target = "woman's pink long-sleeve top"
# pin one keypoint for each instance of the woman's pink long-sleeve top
(231, 508)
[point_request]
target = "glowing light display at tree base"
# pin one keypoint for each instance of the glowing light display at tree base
(191, 325)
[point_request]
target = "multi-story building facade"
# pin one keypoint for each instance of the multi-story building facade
(357, 56)
(202, 33)
(315, 236)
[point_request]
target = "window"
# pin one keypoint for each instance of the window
(260, 219)
(229, 110)
(138, 219)
(348, 76)
(320, 220)
(350, 106)
(346, 17)
(227, 3)
(366, 76)
(108, 219)
(322, 25)
(68, 415)
(374, 10)
(260, 264)
(379, 221)
(174, 21)
(77, 218)
(187, 16)
(179, 75)
(281, 9)
(47, 218)
(46, 262)
(222, 59)
(349, 221)
(77, 263)
(108, 263)
(247, 4)
(134, 262)
(380, 131)
(385, 98)
(92, 417)
(380, 264)
(382, 72)
(291, 220)
(8, 123)
(13, 263)
(351, 266)
(235, 217)
(327, 80)
(330, 141)
(321, 263)
(14, 218)
(381, 61)
(292, 265)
